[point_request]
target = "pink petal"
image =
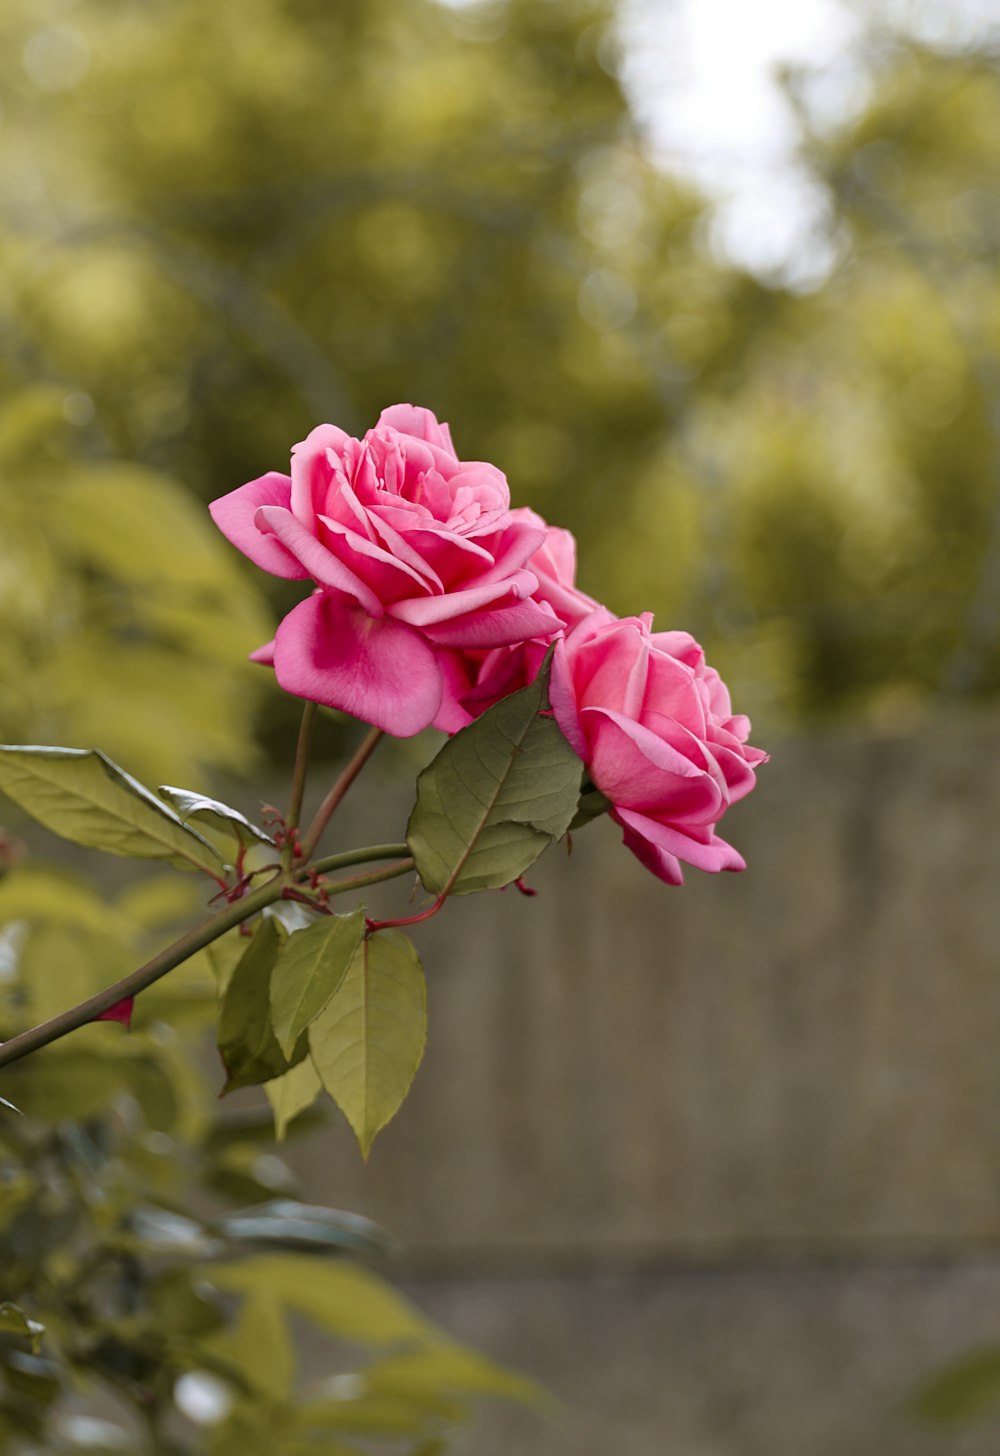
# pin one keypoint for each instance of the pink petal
(264, 655)
(412, 419)
(313, 471)
(426, 611)
(713, 855)
(382, 672)
(234, 515)
(563, 700)
(635, 768)
(388, 577)
(502, 627)
(665, 866)
(322, 565)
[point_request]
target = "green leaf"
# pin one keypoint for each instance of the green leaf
(343, 1298)
(258, 1347)
(247, 1044)
(496, 795)
(14, 1321)
(311, 966)
(367, 1044)
(214, 814)
(591, 806)
(452, 1369)
(80, 794)
(282, 1223)
(292, 1093)
(964, 1390)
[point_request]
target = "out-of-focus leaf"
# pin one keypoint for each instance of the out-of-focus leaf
(160, 899)
(286, 1224)
(61, 966)
(249, 1049)
(448, 1368)
(363, 1412)
(368, 1043)
(13, 1321)
(344, 1299)
(35, 894)
(291, 1093)
(311, 966)
(80, 794)
(214, 814)
(964, 1390)
(258, 1346)
(497, 793)
(161, 1231)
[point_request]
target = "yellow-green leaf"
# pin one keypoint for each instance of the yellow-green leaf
(310, 967)
(343, 1298)
(367, 1044)
(292, 1093)
(80, 794)
(247, 1044)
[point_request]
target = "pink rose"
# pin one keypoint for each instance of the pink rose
(474, 681)
(655, 728)
(414, 553)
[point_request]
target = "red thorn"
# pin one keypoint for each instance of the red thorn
(121, 1012)
(525, 889)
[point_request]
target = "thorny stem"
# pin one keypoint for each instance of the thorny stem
(201, 936)
(325, 811)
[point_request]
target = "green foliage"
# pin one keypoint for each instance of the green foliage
(309, 971)
(367, 1044)
(803, 478)
(495, 796)
(247, 1043)
(966, 1389)
(222, 818)
(174, 1327)
(82, 796)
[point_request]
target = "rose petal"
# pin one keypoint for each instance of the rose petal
(502, 627)
(423, 424)
(234, 515)
(713, 856)
(380, 671)
(321, 564)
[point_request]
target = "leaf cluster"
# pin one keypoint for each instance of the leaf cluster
(178, 1330)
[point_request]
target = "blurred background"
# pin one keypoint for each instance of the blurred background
(716, 285)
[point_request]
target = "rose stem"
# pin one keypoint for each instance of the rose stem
(325, 811)
(195, 940)
(300, 769)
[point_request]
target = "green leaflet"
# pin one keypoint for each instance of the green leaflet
(341, 1297)
(214, 815)
(292, 1093)
(80, 794)
(310, 966)
(496, 795)
(368, 1043)
(14, 1321)
(247, 1044)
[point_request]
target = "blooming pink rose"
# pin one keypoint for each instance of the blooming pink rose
(475, 680)
(655, 728)
(414, 554)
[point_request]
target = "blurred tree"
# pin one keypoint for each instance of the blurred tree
(224, 224)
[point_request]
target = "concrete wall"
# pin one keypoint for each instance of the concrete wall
(785, 1082)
